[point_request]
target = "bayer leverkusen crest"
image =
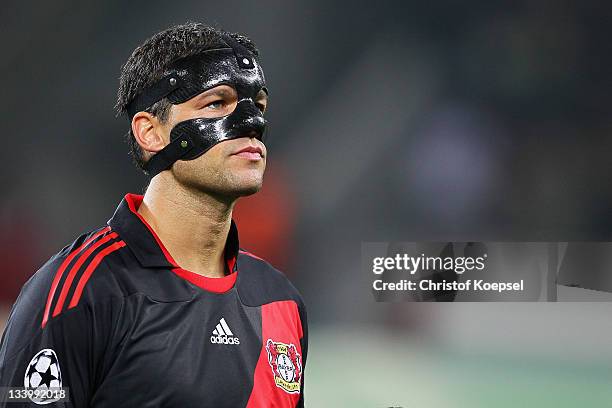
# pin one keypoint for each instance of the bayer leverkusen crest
(286, 365)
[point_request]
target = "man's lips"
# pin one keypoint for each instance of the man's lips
(250, 152)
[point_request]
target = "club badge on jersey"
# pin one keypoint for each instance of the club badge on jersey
(235, 66)
(286, 365)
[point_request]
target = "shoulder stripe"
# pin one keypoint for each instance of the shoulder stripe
(75, 268)
(60, 272)
(90, 268)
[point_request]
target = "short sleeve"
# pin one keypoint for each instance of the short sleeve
(67, 352)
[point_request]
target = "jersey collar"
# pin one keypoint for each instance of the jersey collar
(146, 245)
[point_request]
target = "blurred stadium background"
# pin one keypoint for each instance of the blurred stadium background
(399, 120)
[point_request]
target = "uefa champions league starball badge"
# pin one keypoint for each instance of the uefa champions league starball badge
(43, 378)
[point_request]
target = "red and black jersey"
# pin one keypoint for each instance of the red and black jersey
(114, 319)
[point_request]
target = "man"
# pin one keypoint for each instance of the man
(160, 308)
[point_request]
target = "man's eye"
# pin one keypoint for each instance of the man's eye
(215, 105)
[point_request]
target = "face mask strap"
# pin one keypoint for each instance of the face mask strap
(175, 150)
(162, 88)
(192, 138)
(244, 58)
(172, 82)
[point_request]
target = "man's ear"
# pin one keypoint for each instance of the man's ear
(147, 132)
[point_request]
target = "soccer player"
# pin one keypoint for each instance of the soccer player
(160, 307)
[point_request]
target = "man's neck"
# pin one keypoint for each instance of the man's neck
(193, 226)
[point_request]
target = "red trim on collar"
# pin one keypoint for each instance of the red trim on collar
(217, 285)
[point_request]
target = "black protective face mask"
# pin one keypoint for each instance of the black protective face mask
(234, 66)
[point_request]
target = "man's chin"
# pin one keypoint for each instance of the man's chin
(246, 184)
(248, 190)
(230, 185)
(233, 192)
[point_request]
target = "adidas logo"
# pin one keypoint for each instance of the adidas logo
(223, 335)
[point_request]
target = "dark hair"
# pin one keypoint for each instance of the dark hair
(152, 58)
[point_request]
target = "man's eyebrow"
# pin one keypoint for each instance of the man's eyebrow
(216, 91)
